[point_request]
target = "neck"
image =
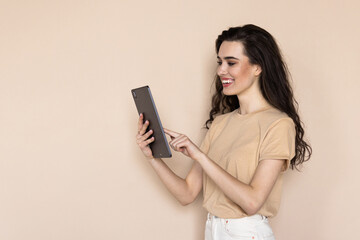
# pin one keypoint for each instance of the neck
(252, 101)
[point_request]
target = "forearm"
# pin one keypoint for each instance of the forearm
(242, 194)
(176, 185)
(249, 196)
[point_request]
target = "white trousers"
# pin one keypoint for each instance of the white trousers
(254, 227)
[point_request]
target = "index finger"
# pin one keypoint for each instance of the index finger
(171, 133)
(140, 122)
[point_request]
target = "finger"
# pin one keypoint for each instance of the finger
(183, 146)
(147, 142)
(145, 136)
(179, 142)
(175, 141)
(144, 127)
(140, 121)
(171, 133)
(179, 147)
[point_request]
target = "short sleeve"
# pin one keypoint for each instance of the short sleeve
(279, 141)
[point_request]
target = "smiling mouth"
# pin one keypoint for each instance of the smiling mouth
(226, 81)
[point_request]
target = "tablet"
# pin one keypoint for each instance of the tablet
(145, 104)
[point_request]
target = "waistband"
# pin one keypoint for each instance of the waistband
(256, 217)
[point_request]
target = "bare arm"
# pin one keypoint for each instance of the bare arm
(184, 190)
(250, 197)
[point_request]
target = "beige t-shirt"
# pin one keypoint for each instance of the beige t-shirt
(237, 143)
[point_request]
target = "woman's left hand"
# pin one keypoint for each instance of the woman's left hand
(181, 143)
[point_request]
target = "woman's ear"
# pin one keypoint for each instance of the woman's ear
(258, 70)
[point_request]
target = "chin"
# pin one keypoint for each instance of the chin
(229, 93)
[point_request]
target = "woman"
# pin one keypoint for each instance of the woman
(255, 135)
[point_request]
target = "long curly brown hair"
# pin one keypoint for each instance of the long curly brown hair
(261, 49)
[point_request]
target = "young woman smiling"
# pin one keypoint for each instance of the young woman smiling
(255, 135)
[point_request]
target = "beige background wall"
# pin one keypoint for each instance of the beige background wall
(69, 165)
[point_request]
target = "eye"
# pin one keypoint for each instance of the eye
(219, 63)
(231, 63)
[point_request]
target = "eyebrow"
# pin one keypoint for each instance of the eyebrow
(227, 58)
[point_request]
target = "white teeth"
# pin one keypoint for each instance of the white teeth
(226, 81)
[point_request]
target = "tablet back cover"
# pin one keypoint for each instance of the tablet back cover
(145, 104)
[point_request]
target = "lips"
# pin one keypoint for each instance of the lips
(226, 81)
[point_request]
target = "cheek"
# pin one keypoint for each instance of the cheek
(244, 74)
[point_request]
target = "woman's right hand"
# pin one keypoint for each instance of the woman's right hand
(143, 138)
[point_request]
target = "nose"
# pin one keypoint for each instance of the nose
(221, 70)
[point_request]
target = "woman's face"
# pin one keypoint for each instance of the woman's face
(235, 71)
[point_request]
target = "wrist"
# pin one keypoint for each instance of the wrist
(153, 160)
(200, 157)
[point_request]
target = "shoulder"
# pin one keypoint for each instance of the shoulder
(274, 117)
(277, 136)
